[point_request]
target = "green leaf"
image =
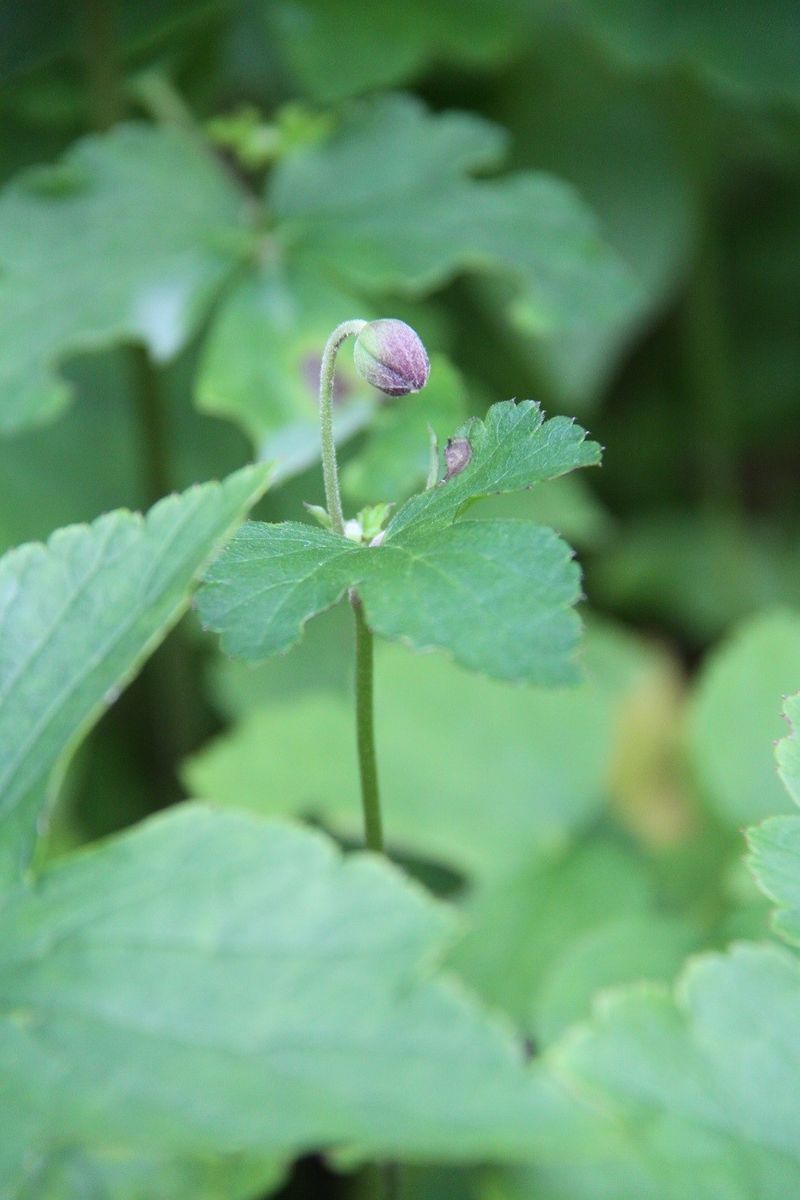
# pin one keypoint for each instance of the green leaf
(700, 1088)
(127, 239)
(512, 448)
(775, 843)
(497, 594)
(413, 219)
(337, 50)
(787, 751)
(520, 921)
(642, 944)
(751, 54)
(736, 717)
(274, 997)
(77, 618)
(545, 780)
(117, 1173)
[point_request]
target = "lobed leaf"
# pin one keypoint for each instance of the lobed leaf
(512, 448)
(389, 202)
(497, 595)
(274, 997)
(128, 238)
(77, 618)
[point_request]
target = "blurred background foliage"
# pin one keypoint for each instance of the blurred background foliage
(593, 204)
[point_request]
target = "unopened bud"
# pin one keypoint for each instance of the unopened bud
(390, 356)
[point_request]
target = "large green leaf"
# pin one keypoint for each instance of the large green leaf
(736, 717)
(214, 983)
(128, 238)
(497, 594)
(390, 203)
(77, 618)
(437, 731)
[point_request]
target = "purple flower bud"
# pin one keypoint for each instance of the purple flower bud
(390, 356)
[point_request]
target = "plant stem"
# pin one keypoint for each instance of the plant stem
(330, 474)
(365, 730)
(102, 62)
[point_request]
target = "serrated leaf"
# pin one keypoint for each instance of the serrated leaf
(497, 595)
(545, 774)
(274, 997)
(512, 448)
(413, 219)
(77, 618)
(700, 1087)
(127, 239)
(736, 717)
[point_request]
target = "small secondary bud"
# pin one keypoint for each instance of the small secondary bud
(457, 456)
(390, 356)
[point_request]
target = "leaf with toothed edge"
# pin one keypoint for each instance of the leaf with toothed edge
(498, 595)
(78, 616)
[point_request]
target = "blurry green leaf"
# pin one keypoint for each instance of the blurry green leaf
(745, 49)
(273, 997)
(396, 456)
(453, 787)
(116, 1173)
(700, 1089)
(498, 595)
(787, 751)
(335, 48)
(77, 618)
(389, 203)
(736, 717)
(132, 243)
(260, 365)
(775, 843)
(639, 945)
(521, 921)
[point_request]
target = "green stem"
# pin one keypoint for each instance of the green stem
(330, 474)
(102, 62)
(150, 414)
(365, 730)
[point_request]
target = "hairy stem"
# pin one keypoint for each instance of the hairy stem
(365, 730)
(330, 474)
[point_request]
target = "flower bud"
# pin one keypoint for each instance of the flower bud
(390, 356)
